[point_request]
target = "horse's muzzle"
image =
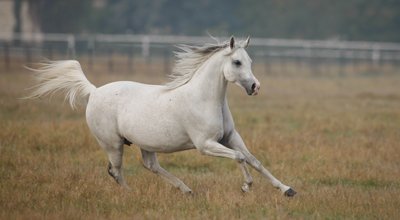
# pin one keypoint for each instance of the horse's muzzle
(255, 87)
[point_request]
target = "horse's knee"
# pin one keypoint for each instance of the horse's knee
(239, 157)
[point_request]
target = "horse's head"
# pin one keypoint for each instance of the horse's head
(237, 67)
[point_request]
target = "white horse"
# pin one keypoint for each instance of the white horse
(189, 112)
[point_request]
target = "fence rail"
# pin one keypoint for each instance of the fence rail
(147, 46)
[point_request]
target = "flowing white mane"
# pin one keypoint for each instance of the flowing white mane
(188, 60)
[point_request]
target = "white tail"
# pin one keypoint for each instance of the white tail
(65, 76)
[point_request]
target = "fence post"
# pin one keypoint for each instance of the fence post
(376, 55)
(6, 51)
(342, 62)
(27, 54)
(130, 59)
(267, 65)
(50, 52)
(145, 47)
(110, 60)
(71, 46)
(166, 61)
(91, 53)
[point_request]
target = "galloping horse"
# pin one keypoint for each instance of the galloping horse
(189, 112)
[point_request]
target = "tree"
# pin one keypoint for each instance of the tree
(59, 16)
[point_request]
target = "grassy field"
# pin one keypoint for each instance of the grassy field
(335, 140)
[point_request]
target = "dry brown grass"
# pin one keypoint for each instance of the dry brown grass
(336, 140)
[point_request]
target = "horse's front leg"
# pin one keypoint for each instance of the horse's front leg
(248, 180)
(214, 148)
(236, 143)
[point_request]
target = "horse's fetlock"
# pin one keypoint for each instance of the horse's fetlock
(109, 170)
(249, 182)
(154, 170)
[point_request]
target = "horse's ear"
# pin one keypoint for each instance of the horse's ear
(246, 43)
(232, 42)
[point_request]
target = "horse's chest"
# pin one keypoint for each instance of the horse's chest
(214, 127)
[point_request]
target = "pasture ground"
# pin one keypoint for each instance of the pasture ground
(334, 139)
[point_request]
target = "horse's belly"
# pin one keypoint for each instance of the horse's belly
(154, 131)
(158, 140)
(167, 149)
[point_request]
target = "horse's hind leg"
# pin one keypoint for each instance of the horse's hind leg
(248, 180)
(115, 153)
(150, 162)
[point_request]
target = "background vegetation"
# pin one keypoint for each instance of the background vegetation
(372, 20)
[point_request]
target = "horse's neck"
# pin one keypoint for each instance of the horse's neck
(208, 84)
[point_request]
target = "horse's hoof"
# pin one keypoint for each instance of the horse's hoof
(188, 193)
(290, 192)
(245, 188)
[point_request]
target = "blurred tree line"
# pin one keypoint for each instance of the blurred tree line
(375, 20)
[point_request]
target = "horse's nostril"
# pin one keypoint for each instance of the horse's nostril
(253, 87)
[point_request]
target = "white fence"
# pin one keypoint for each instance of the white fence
(45, 45)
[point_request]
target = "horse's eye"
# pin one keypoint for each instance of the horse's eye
(237, 62)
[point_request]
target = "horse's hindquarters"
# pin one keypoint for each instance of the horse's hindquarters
(101, 118)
